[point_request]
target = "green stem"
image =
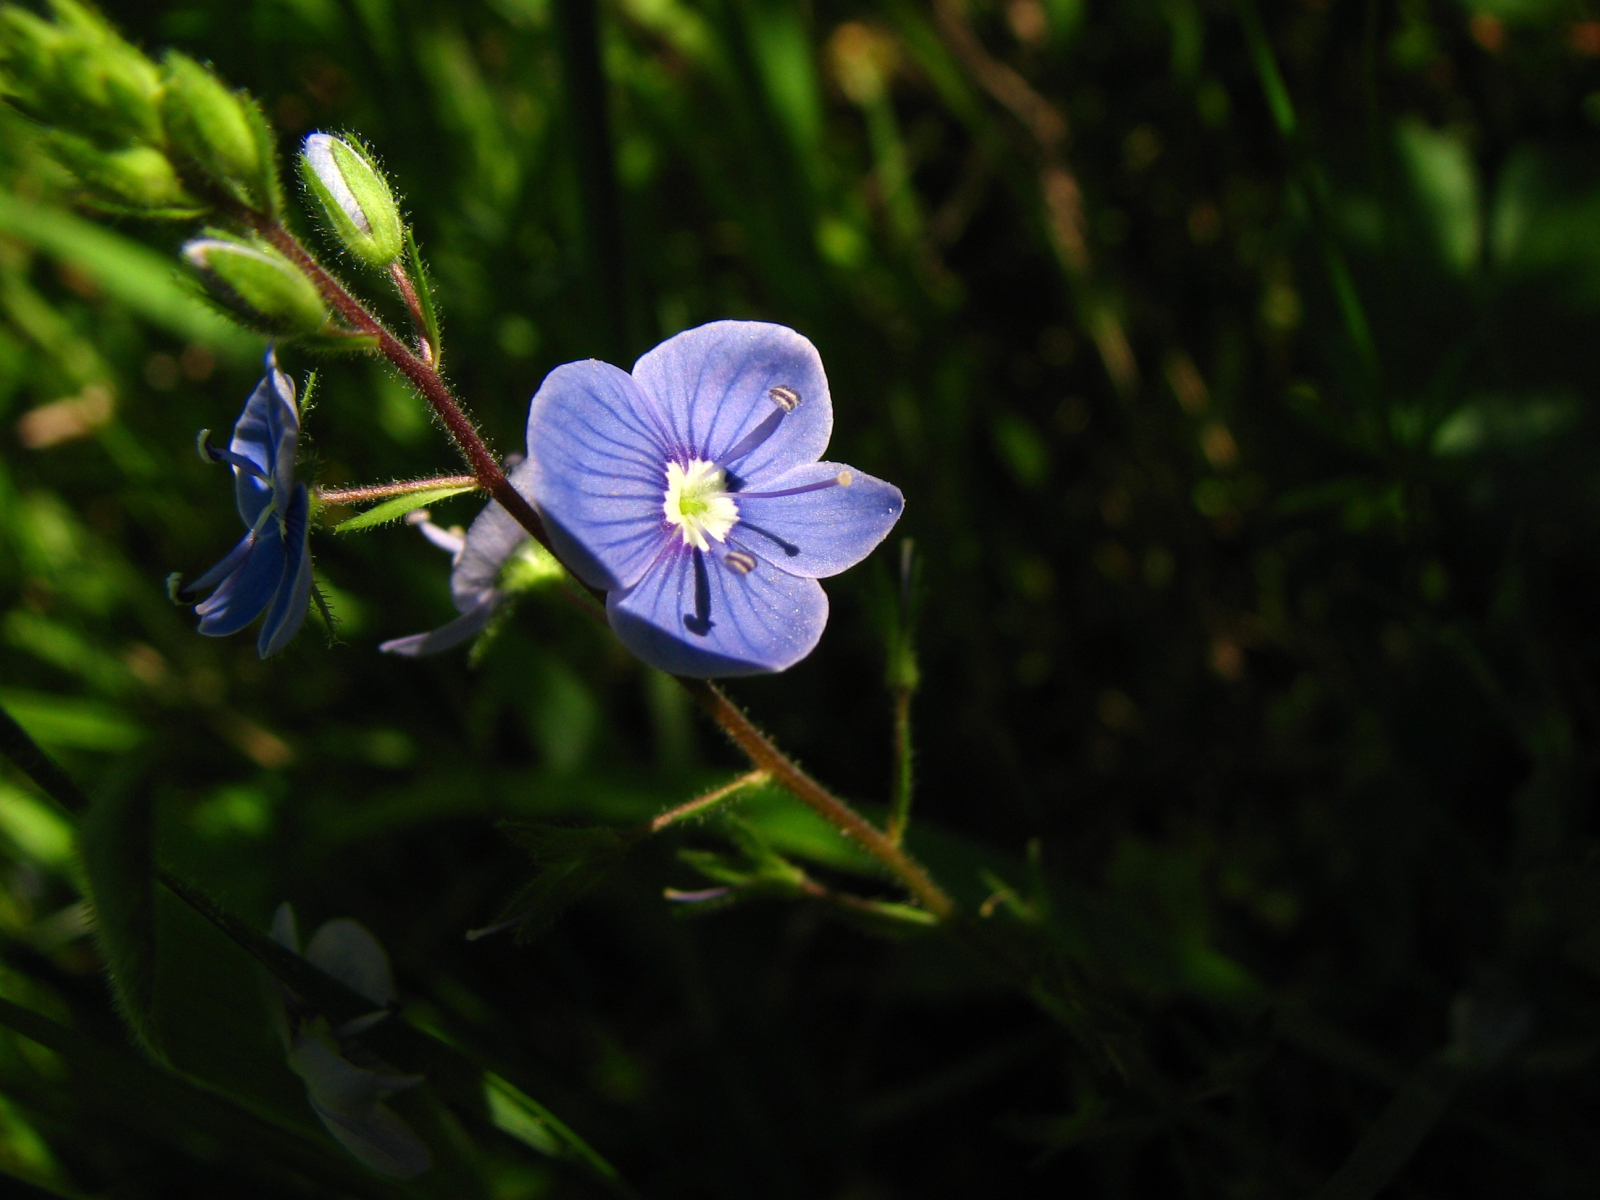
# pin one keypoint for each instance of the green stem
(900, 797)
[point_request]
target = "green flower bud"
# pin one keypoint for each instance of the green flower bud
(259, 284)
(356, 202)
(220, 133)
(139, 178)
(78, 75)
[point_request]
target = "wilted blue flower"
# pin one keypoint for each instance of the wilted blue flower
(477, 557)
(270, 569)
(490, 563)
(691, 493)
(345, 1083)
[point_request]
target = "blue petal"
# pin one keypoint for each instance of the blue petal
(491, 539)
(691, 615)
(266, 433)
(293, 598)
(449, 635)
(714, 383)
(596, 471)
(818, 533)
(242, 596)
(229, 564)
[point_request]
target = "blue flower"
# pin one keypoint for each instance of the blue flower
(270, 569)
(690, 491)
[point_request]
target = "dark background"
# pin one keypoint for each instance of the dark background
(1258, 514)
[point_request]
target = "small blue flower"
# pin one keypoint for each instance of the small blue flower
(691, 492)
(270, 569)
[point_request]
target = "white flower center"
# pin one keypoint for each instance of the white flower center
(697, 504)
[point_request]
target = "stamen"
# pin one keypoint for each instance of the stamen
(842, 479)
(216, 454)
(739, 562)
(787, 400)
(452, 541)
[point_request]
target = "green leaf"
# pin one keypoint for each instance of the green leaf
(18, 745)
(424, 286)
(115, 839)
(139, 277)
(458, 1079)
(570, 861)
(174, 1110)
(72, 722)
(396, 508)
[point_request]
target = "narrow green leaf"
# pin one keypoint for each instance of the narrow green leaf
(174, 1109)
(396, 508)
(72, 722)
(116, 841)
(22, 750)
(424, 286)
(138, 276)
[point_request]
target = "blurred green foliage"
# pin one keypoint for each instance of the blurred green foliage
(1234, 361)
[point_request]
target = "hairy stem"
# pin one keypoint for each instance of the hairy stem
(701, 803)
(419, 320)
(382, 491)
(760, 750)
(423, 374)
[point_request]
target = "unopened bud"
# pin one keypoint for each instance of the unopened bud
(259, 284)
(219, 132)
(76, 74)
(356, 201)
(139, 178)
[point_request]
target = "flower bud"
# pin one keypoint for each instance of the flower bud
(219, 132)
(356, 201)
(139, 178)
(78, 75)
(259, 284)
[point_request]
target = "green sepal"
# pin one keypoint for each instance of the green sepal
(397, 507)
(353, 199)
(258, 284)
(421, 280)
(139, 179)
(218, 133)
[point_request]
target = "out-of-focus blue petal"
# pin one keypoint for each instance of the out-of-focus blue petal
(347, 950)
(714, 383)
(692, 615)
(818, 533)
(242, 596)
(449, 635)
(266, 433)
(491, 539)
(292, 600)
(596, 471)
(284, 931)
